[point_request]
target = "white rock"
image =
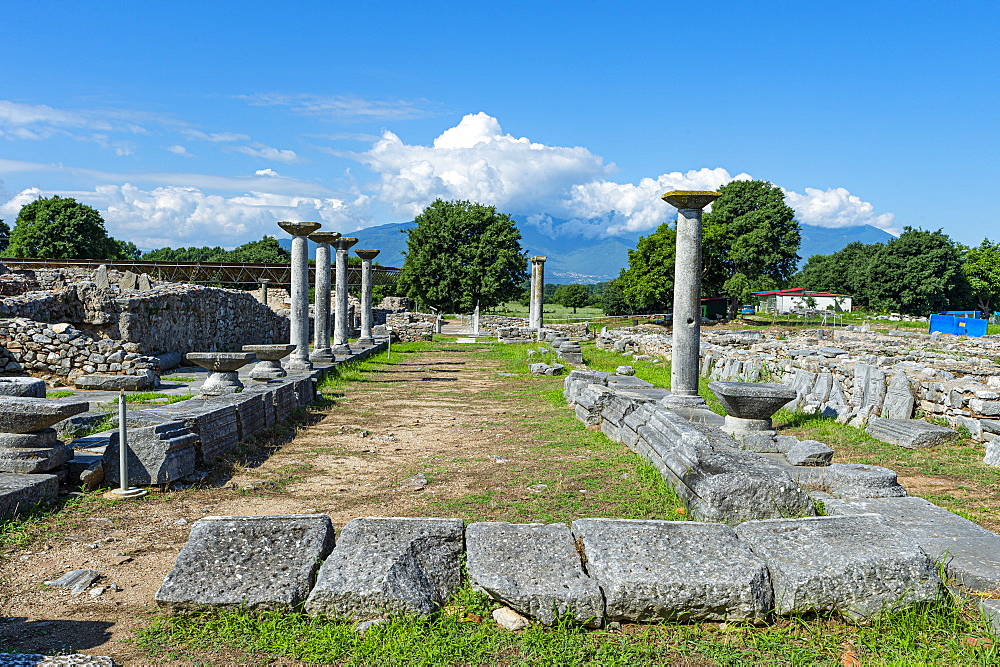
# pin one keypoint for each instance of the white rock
(509, 619)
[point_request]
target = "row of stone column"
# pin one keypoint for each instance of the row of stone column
(323, 351)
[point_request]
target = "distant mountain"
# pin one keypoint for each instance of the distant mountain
(575, 259)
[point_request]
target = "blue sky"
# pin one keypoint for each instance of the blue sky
(193, 123)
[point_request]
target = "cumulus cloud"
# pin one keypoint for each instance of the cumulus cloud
(837, 207)
(476, 160)
(177, 149)
(182, 216)
(266, 172)
(268, 153)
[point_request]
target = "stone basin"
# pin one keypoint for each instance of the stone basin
(751, 400)
(221, 362)
(269, 352)
(28, 415)
(299, 228)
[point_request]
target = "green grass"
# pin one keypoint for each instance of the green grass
(465, 634)
(20, 531)
(552, 312)
(177, 378)
(58, 394)
(156, 397)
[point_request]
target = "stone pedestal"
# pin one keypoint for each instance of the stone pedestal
(366, 295)
(299, 312)
(341, 325)
(268, 366)
(28, 444)
(749, 406)
(262, 297)
(536, 305)
(224, 366)
(687, 296)
(321, 340)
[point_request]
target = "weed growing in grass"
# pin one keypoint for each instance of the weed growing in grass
(108, 422)
(58, 394)
(21, 530)
(156, 397)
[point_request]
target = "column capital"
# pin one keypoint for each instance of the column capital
(690, 199)
(299, 228)
(344, 243)
(367, 254)
(538, 259)
(324, 237)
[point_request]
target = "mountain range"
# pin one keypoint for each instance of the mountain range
(576, 259)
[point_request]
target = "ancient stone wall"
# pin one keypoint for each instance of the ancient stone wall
(411, 327)
(497, 324)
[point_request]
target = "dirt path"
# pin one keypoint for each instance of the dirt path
(447, 415)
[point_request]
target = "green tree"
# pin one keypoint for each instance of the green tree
(842, 272)
(750, 231)
(572, 296)
(981, 266)
(647, 284)
(613, 300)
(60, 228)
(4, 236)
(461, 254)
(265, 251)
(128, 250)
(918, 273)
(192, 254)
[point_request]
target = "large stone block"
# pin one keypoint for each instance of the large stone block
(534, 569)
(673, 570)
(850, 480)
(27, 415)
(856, 565)
(115, 382)
(970, 553)
(910, 433)
(899, 399)
(261, 562)
(22, 386)
(19, 493)
(156, 454)
(390, 566)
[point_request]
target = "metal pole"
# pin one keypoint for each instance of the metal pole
(122, 444)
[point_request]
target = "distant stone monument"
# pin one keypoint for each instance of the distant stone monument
(687, 297)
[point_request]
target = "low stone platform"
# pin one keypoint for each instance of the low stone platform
(116, 382)
(971, 553)
(910, 433)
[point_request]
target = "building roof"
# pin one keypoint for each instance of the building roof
(798, 291)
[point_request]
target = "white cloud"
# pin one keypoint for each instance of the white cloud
(266, 172)
(40, 121)
(215, 137)
(475, 160)
(343, 106)
(183, 216)
(177, 149)
(268, 153)
(837, 207)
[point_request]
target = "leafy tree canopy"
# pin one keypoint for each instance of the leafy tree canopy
(572, 296)
(61, 228)
(4, 236)
(613, 300)
(460, 254)
(982, 269)
(265, 251)
(750, 232)
(648, 282)
(842, 272)
(918, 273)
(205, 254)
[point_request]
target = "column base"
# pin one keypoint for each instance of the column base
(679, 401)
(298, 364)
(324, 355)
(366, 341)
(342, 350)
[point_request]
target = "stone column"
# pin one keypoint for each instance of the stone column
(687, 297)
(321, 311)
(366, 295)
(299, 312)
(263, 291)
(535, 319)
(340, 328)
(475, 320)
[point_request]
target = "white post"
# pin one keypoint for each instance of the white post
(122, 444)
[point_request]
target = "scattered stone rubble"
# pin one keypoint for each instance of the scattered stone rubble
(861, 378)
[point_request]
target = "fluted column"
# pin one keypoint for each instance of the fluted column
(321, 337)
(537, 303)
(366, 295)
(299, 314)
(687, 297)
(340, 323)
